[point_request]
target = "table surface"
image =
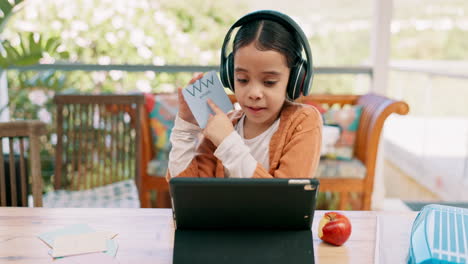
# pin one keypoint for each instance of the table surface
(147, 235)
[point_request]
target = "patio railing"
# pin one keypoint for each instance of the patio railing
(170, 68)
(70, 67)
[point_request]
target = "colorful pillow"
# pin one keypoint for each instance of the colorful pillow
(162, 109)
(347, 119)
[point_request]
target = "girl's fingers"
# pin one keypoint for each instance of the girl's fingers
(214, 107)
(181, 97)
(196, 77)
(179, 93)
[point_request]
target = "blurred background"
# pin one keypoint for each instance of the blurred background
(411, 50)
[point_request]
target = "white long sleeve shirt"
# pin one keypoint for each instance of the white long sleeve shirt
(238, 155)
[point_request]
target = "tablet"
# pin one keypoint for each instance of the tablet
(232, 203)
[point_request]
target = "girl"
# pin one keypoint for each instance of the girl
(271, 136)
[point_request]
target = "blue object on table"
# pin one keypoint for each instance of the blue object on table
(439, 235)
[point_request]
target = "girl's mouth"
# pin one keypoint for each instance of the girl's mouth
(255, 110)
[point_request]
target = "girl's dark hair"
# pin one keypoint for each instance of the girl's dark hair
(269, 35)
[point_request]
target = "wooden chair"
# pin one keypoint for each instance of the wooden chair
(376, 109)
(19, 135)
(98, 140)
(151, 182)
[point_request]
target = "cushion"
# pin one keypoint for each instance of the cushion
(157, 167)
(327, 168)
(330, 168)
(347, 120)
(123, 194)
(331, 201)
(330, 136)
(162, 109)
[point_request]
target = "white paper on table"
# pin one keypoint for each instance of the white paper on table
(68, 245)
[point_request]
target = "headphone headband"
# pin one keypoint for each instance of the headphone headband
(284, 20)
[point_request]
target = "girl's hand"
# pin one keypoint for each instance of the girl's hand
(184, 110)
(218, 126)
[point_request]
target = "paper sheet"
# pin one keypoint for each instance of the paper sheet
(68, 245)
(76, 229)
(49, 237)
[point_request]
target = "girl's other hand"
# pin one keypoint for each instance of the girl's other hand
(184, 110)
(218, 126)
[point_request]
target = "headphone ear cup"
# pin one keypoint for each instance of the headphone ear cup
(296, 80)
(230, 67)
(226, 72)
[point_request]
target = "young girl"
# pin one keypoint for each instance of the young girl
(271, 136)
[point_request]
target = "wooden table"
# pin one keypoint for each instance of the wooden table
(146, 235)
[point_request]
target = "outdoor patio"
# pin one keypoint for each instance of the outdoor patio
(422, 156)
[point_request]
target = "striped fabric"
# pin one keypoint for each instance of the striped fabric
(330, 168)
(327, 168)
(122, 194)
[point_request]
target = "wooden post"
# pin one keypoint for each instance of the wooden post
(380, 44)
(5, 114)
(380, 50)
(36, 170)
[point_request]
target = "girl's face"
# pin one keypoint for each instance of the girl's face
(260, 81)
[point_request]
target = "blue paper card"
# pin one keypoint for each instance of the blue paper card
(196, 95)
(77, 229)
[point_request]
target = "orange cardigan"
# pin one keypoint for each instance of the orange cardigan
(294, 147)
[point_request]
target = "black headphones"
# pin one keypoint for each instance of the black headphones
(300, 79)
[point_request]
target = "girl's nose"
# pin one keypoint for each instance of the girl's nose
(255, 93)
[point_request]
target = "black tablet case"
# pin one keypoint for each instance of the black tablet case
(243, 220)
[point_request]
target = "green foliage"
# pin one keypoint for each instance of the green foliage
(206, 25)
(341, 48)
(163, 32)
(30, 50)
(124, 32)
(456, 45)
(7, 10)
(24, 86)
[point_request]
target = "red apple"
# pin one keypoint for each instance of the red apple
(334, 228)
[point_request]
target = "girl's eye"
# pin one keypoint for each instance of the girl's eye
(242, 80)
(270, 83)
